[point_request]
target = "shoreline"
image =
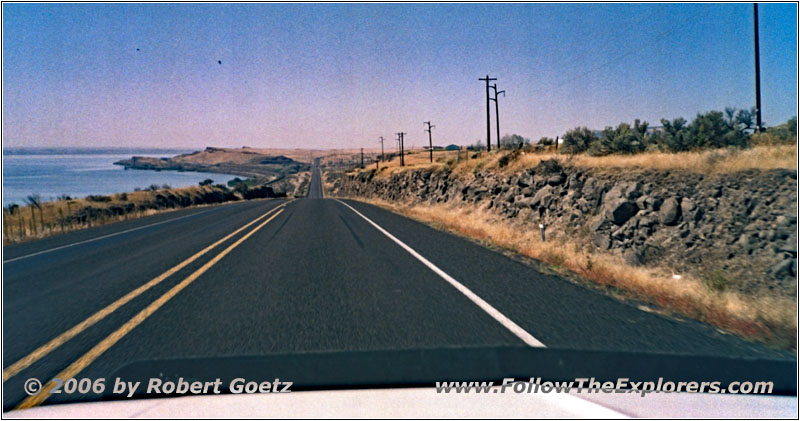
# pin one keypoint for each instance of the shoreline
(45, 219)
(20, 194)
(132, 164)
(256, 175)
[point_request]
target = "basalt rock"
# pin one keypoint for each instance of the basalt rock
(742, 225)
(670, 212)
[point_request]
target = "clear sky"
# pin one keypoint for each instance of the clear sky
(328, 75)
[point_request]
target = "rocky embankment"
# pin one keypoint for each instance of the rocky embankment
(733, 231)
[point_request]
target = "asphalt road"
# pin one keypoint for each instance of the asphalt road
(306, 275)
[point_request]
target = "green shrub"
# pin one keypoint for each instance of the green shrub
(577, 140)
(546, 141)
(98, 198)
(674, 137)
(622, 139)
(711, 130)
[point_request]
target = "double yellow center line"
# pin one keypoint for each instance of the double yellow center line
(114, 337)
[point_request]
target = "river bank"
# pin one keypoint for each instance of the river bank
(110, 187)
(59, 172)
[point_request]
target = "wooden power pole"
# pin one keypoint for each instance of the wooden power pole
(488, 119)
(402, 151)
(758, 68)
(430, 138)
(497, 112)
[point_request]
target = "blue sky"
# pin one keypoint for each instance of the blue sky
(328, 75)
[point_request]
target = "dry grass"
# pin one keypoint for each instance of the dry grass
(59, 216)
(768, 319)
(420, 158)
(709, 161)
(28, 223)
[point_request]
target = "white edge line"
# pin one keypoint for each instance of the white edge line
(584, 407)
(496, 314)
(103, 236)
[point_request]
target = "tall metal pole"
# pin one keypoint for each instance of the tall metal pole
(758, 68)
(430, 138)
(382, 157)
(362, 158)
(488, 119)
(497, 112)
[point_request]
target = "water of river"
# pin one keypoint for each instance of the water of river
(79, 173)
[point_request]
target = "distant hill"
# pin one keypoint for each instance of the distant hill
(245, 161)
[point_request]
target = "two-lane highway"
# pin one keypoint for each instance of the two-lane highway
(312, 274)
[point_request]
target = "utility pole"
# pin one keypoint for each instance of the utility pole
(758, 68)
(488, 120)
(402, 157)
(497, 112)
(430, 138)
(362, 158)
(382, 156)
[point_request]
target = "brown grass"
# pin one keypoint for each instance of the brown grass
(763, 157)
(419, 158)
(53, 218)
(709, 161)
(767, 319)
